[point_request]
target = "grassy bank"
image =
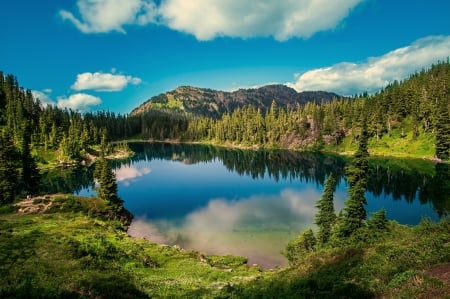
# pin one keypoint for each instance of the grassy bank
(69, 247)
(396, 144)
(405, 262)
(73, 247)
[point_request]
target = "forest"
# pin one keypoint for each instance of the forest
(415, 109)
(413, 113)
(77, 247)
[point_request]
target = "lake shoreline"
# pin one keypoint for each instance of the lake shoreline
(345, 154)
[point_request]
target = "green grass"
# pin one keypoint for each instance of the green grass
(76, 250)
(407, 146)
(399, 143)
(46, 158)
(394, 265)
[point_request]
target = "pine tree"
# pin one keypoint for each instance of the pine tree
(8, 169)
(108, 187)
(326, 217)
(30, 171)
(354, 212)
(378, 222)
(443, 131)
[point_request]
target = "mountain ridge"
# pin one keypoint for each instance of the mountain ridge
(198, 101)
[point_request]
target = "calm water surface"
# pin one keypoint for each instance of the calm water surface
(249, 203)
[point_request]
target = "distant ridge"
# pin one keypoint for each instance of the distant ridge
(213, 103)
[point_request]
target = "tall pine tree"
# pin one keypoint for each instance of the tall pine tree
(443, 131)
(354, 212)
(8, 169)
(108, 187)
(326, 217)
(30, 172)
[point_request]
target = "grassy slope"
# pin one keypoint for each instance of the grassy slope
(74, 250)
(399, 143)
(62, 253)
(399, 264)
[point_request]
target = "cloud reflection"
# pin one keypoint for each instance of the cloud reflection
(127, 174)
(257, 227)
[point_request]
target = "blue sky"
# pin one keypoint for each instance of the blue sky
(115, 54)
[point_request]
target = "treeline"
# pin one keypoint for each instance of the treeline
(30, 130)
(418, 105)
(406, 180)
(68, 131)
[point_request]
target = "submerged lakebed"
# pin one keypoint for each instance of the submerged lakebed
(252, 203)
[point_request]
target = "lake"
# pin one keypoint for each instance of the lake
(251, 203)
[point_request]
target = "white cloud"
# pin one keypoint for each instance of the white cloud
(207, 19)
(127, 174)
(103, 81)
(79, 101)
(43, 96)
(97, 16)
(240, 227)
(350, 78)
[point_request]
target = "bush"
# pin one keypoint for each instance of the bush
(300, 247)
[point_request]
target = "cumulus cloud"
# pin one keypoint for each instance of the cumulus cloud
(103, 81)
(127, 174)
(348, 78)
(79, 101)
(207, 19)
(43, 96)
(240, 227)
(110, 15)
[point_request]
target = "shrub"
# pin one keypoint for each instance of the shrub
(300, 247)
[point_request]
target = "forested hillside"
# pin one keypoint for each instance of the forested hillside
(193, 101)
(405, 118)
(409, 117)
(32, 135)
(349, 255)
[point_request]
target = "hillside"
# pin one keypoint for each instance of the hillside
(63, 246)
(213, 103)
(406, 118)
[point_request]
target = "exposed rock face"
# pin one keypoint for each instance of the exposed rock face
(213, 103)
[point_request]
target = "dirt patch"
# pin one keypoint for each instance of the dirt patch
(35, 205)
(442, 273)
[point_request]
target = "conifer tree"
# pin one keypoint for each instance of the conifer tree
(8, 169)
(354, 212)
(443, 131)
(30, 171)
(378, 222)
(326, 217)
(108, 186)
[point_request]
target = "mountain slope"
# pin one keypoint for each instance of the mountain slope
(213, 103)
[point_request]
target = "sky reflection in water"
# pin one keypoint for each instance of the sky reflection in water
(206, 207)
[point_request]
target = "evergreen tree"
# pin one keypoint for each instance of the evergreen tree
(30, 171)
(378, 222)
(443, 131)
(354, 212)
(8, 169)
(108, 187)
(326, 217)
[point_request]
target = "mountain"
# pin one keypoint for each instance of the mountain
(213, 103)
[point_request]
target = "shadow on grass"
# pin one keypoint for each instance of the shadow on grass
(331, 280)
(29, 269)
(97, 285)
